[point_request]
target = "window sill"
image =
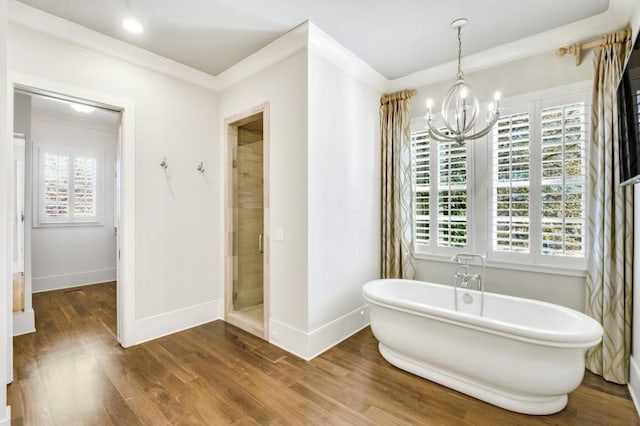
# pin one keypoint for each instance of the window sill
(512, 266)
(68, 224)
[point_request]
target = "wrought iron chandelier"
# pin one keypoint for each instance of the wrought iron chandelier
(463, 103)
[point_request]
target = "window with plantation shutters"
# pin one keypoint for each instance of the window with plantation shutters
(85, 186)
(563, 170)
(69, 186)
(55, 176)
(421, 184)
(440, 193)
(511, 177)
(452, 194)
(518, 196)
(538, 194)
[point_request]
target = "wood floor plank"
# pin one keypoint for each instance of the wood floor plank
(73, 372)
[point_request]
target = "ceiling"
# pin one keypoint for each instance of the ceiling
(63, 108)
(395, 37)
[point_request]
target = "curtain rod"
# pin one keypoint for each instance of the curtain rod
(577, 48)
(401, 95)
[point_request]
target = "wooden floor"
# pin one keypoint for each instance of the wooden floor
(72, 372)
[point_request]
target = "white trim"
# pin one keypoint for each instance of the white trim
(5, 420)
(548, 41)
(126, 235)
(24, 322)
(541, 269)
(75, 279)
(38, 20)
(634, 383)
(172, 322)
(309, 345)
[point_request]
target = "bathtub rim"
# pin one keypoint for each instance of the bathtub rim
(583, 338)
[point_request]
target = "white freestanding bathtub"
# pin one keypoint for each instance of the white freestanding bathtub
(521, 354)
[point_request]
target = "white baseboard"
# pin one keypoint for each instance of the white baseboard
(309, 345)
(62, 281)
(24, 322)
(634, 383)
(150, 328)
(5, 418)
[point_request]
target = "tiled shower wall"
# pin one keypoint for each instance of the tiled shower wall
(249, 220)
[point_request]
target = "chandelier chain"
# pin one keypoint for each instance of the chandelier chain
(459, 52)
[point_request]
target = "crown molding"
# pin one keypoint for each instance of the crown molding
(616, 17)
(308, 36)
(37, 20)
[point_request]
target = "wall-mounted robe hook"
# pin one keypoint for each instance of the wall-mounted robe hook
(164, 164)
(200, 167)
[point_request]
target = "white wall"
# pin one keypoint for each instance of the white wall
(519, 77)
(68, 256)
(6, 346)
(177, 232)
(344, 192)
(284, 86)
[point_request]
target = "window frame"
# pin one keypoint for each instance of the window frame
(39, 151)
(480, 186)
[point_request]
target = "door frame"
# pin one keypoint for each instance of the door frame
(126, 156)
(231, 125)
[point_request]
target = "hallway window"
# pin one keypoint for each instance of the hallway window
(68, 186)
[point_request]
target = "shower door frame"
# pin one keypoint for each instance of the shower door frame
(231, 125)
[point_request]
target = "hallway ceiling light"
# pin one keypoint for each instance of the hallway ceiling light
(464, 104)
(132, 25)
(82, 108)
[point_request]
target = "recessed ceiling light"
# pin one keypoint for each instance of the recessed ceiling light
(132, 26)
(83, 108)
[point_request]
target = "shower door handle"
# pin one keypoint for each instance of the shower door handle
(260, 245)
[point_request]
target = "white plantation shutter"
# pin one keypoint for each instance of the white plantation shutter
(439, 222)
(85, 186)
(420, 164)
(511, 179)
(55, 175)
(69, 186)
(452, 194)
(563, 165)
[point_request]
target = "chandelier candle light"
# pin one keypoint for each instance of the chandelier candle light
(461, 100)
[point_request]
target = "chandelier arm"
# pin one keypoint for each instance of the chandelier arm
(474, 117)
(442, 137)
(450, 130)
(484, 131)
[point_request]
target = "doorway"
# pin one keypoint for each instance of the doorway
(65, 196)
(246, 301)
(124, 213)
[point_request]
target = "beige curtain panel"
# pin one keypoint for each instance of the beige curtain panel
(397, 197)
(610, 216)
